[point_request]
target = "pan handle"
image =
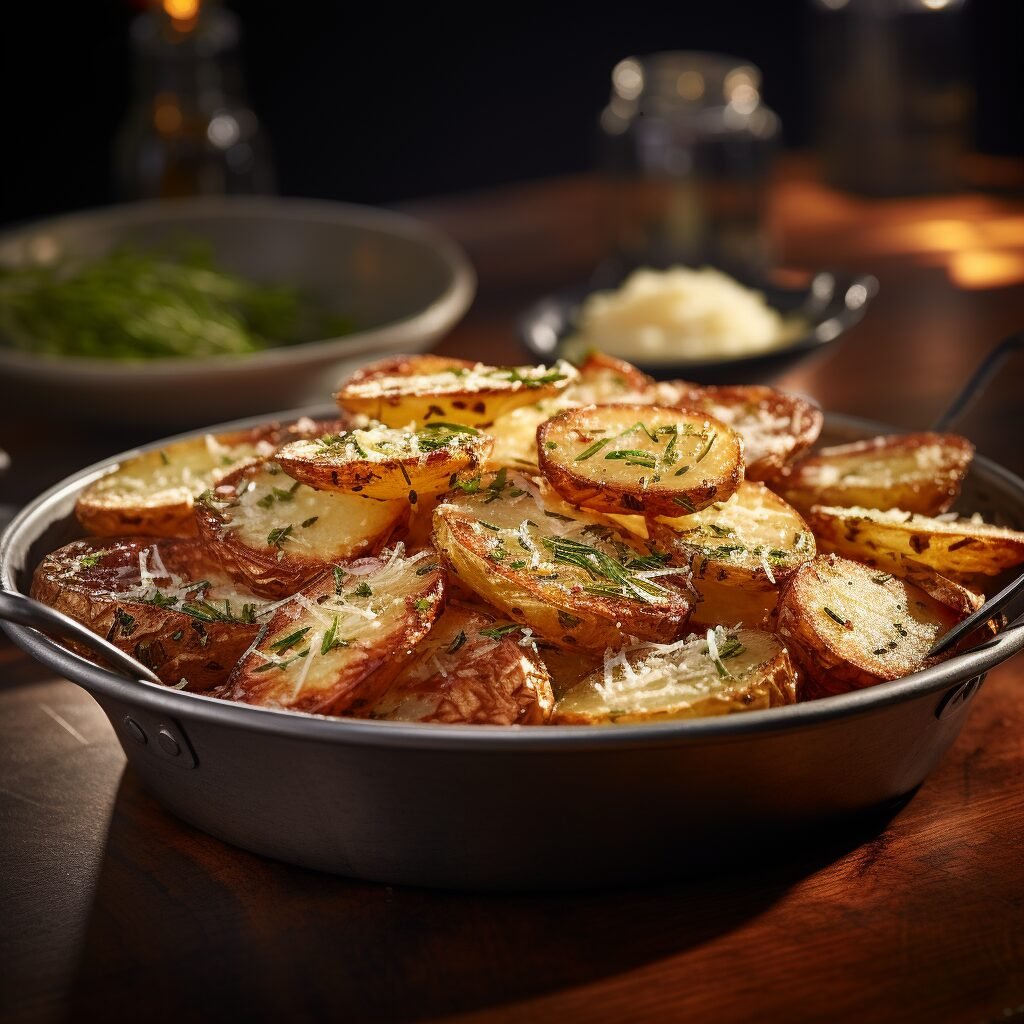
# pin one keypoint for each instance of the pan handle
(978, 381)
(25, 611)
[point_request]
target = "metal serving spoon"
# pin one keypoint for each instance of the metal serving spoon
(26, 612)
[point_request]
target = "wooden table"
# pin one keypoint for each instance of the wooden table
(110, 909)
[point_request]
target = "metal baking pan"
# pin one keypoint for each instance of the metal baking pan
(478, 807)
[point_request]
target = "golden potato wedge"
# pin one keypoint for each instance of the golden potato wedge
(335, 647)
(915, 472)
(475, 396)
(161, 600)
(473, 670)
(276, 534)
(153, 493)
(604, 379)
(383, 462)
(753, 540)
(850, 626)
(562, 571)
(637, 458)
(775, 425)
(719, 673)
(950, 545)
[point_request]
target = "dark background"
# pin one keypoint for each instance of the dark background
(371, 103)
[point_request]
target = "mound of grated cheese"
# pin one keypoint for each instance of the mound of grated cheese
(681, 314)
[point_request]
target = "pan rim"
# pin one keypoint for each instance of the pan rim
(480, 738)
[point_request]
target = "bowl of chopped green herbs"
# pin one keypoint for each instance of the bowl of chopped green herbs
(174, 312)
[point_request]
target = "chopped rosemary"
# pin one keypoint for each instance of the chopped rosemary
(423, 604)
(363, 589)
(567, 620)
(88, 561)
(836, 617)
(633, 457)
(497, 632)
(707, 448)
(279, 536)
(457, 642)
(423, 570)
(289, 641)
(339, 580)
(307, 523)
(331, 640)
(591, 449)
(721, 531)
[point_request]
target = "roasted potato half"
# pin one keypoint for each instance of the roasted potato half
(604, 379)
(383, 462)
(153, 493)
(560, 570)
(276, 534)
(950, 545)
(470, 669)
(776, 426)
(915, 472)
(515, 436)
(161, 600)
(719, 673)
(851, 626)
(640, 458)
(335, 647)
(754, 540)
(475, 395)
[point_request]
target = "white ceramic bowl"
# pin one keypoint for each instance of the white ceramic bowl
(402, 283)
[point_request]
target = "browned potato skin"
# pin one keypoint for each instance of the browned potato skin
(829, 668)
(489, 681)
(731, 403)
(104, 517)
(579, 488)
(206, 651)
(363, 681)
(259, 568)
(929, 497)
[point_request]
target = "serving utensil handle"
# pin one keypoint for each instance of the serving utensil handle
(15, 607)
(978, 381)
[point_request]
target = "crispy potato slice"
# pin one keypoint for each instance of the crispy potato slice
(717, 674)
(161, 600)
(775, 425)
(566, 668)
(153, 493)
(850, 626)
(562, 571)
(475, 396)
(276, 534)
(383, 462)
(604, 379)
(916, 472)
(470, 669)
(636, 458)
(953, 546)
(335, 647)
(754, 540)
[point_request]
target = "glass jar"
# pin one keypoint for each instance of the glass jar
(689, 146)
(189, 130)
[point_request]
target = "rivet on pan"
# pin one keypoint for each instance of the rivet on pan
(955, 700)
(168, 744)
(134, 729)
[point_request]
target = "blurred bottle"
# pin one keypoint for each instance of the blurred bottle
(190, 130)
(689, 147)
(894, 101)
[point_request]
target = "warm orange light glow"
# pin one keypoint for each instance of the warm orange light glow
(986, 268)
(166, 114)
(182, 10)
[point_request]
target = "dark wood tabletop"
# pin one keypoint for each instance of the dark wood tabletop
(111, 909)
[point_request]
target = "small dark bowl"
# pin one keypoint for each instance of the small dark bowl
(831, 304)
